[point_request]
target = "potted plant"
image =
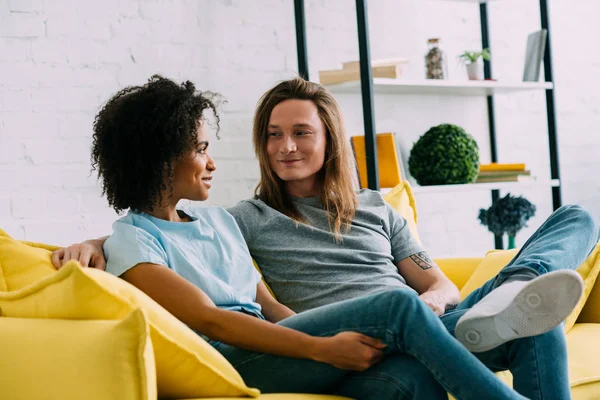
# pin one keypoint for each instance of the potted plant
(507, 215)
(446, 154)
(471, 60)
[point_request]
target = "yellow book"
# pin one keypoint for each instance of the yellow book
(388, 164)
(504, 173)
(501, 167)
(515, 178)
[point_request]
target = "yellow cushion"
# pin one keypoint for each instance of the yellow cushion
(584, 368)
(403, 202)
(287, 396)
(591, 310)
(491, 265)
(584, 354)
(186, 365)
(458, 270)
(22, 264)
(494, 261)
(62, 359)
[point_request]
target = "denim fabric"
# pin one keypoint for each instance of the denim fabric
(538, 364)
(420, 351)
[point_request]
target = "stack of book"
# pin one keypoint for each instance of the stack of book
(385, 68)
(496, 172)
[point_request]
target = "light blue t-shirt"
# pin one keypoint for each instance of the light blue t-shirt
(210, 252)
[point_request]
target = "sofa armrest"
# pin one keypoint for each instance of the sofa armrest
(77, 359)
(591, 310)
(459, 270)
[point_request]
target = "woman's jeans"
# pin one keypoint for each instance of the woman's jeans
(423, 359)
(402, 321)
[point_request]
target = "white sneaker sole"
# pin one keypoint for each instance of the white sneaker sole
(540, 306)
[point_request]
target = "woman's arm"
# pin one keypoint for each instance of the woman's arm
(347, 350)
(273, 310)
(88, 253)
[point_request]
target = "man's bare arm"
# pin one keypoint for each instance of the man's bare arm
(272, 309)
(423, 275)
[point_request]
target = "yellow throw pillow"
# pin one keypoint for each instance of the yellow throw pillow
(491, 265)
(22, 263)
(186, 365)
(73, 360)
(402, 200)
(589, 271)
(494, 261)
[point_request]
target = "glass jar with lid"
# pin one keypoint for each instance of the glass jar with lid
(435, 60)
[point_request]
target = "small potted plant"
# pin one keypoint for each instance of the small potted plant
(507, 215)
(471, 61)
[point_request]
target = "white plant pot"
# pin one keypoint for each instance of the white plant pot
(474, 71)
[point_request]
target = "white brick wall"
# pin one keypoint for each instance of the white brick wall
(60, 59)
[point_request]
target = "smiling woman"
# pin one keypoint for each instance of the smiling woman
(193, 173)
(171, 159)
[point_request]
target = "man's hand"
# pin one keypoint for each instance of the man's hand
(435, 289)
(88, 253)
(436, 300)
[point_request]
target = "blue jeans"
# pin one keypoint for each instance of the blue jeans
(419, 349)
(538, 364)
(423, 355)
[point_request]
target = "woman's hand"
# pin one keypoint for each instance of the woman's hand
(350, 350)
(88, 253)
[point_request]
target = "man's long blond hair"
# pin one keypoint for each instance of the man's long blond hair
(338, 175)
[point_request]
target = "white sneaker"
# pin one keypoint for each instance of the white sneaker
(520, 309)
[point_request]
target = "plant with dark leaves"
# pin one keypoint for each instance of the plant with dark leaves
(507, 215)
(445, 154)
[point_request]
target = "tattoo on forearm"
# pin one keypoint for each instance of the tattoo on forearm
(423, 260)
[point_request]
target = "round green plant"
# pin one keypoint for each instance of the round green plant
(444, 155)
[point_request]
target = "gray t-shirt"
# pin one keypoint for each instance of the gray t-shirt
(304, 264)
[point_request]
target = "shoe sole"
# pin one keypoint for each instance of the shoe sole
(538, 308)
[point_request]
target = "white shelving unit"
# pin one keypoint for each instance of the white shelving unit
(472, 187)
(441, 87)
(469, 1)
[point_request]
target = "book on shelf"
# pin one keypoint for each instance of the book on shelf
(501, 167)
(381, 68)
(383, 62)
(332, 76)
(509, 178)
(387, 160)
(534, 53)
(502, 173)
(499, 174)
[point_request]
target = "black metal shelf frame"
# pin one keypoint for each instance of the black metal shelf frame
(367, 92)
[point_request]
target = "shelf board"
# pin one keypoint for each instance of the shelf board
(471, 187)
(441, 87)
(470, 1)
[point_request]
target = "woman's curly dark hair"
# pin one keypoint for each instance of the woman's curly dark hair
(140, 132)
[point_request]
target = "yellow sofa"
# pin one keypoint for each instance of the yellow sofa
(80, 333)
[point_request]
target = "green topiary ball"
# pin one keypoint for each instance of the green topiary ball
(444, 155)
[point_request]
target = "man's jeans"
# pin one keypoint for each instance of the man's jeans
(538, 364)
(421, 350)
